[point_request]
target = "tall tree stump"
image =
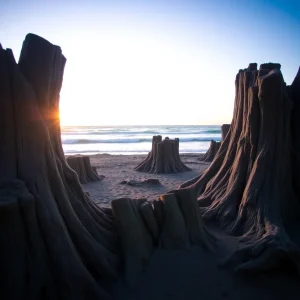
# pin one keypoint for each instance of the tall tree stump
(294, 93)
(55, 242)
(248, 187)
(82, 166)
(163, 157)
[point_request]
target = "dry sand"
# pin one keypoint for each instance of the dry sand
(117, 168)
(182, 274)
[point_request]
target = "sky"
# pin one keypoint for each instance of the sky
(155, 62)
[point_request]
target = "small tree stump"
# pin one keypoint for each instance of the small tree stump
(163, 157)
(211, 152)
(215, 146)
(224, 129)
(82, 166)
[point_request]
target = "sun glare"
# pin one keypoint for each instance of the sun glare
(130, 78)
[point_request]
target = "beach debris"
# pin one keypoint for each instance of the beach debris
(248, 187)
(82, 166)
(163, 158)
(214, 146)
(149, 181)
(56, 243)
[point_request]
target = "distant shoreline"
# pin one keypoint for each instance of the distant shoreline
(99, 155)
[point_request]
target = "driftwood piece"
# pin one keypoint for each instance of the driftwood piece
(51, 232)
(145, 182)
(163, 157)
(248, 187)
(82, 166)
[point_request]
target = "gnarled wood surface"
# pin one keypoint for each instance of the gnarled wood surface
(215, 146)
(163, 157)
(224, 130)
(211, 152)
(82, 166)
(55, 242)
(248, 187)
(172, 222)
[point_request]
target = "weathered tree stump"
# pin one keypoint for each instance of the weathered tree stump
(224, 129)
(82, 166)
(137, 243)
(55, 242)
(163, 157)
(294, 93)
(248, 187)
(215, 146)
(173, 222)
(211, 152)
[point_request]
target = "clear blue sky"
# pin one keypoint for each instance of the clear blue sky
(155, 62)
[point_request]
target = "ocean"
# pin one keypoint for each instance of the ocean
(135, 139)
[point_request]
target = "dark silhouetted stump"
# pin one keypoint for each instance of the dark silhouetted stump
(173, 222)
(163, 157)
(248, 187)
(55, 242)
(294, 93)
(82, 166)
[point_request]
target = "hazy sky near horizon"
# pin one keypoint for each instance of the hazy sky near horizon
(155, 62)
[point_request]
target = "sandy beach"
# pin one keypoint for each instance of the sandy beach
(117, 168)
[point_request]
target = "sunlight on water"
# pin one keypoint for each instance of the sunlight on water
(135, 139)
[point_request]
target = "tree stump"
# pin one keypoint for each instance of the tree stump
(163, 157)
(214, 146)
(173, 222)
(224, 129)
(248, 187)
(82, 166)
(294, 93)
(211, 152)
(55, 242)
